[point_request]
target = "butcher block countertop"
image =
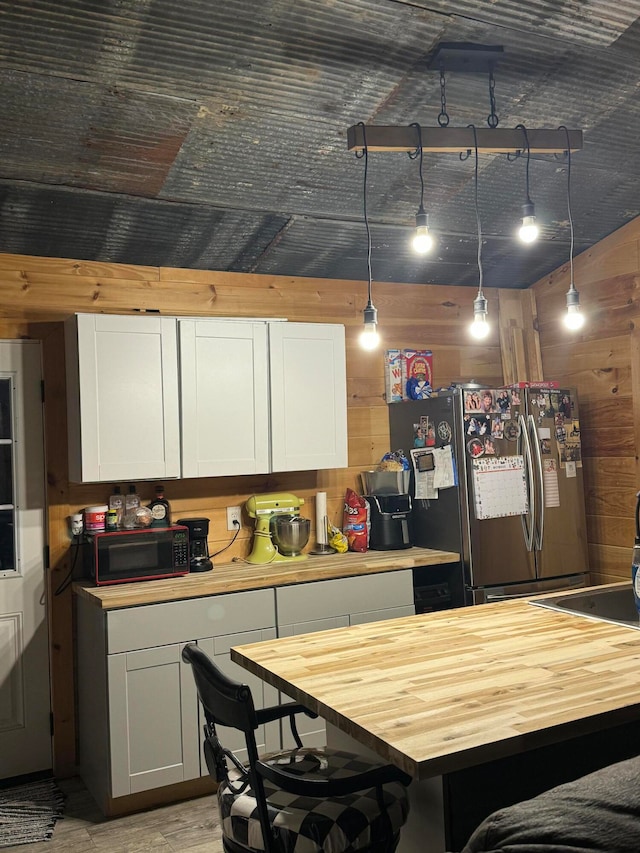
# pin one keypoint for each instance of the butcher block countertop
(438, 692)
(239, 576)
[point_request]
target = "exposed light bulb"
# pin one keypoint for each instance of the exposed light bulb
(369, 337)
(574, 318)
(528, 230)
(479, 329)
(423, 239)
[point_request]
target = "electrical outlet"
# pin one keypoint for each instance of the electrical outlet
(234, 513)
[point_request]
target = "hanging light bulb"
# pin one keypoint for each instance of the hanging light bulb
(422, 239)
(480, 328)
(574, 318)
(529, 229)
(369, 337)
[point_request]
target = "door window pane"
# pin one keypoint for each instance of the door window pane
(7, 500)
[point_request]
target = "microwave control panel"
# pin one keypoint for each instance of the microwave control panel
(180, 549)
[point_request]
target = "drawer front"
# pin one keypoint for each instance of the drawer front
(305, 602)
(181, 621)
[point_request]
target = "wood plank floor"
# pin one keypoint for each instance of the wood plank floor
(191, 825)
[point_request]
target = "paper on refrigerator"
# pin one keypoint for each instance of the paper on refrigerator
(433, 470)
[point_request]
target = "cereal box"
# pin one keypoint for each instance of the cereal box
(419, 374)
(394, 375)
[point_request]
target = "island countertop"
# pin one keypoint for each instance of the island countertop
(240, 576)
(441, 691)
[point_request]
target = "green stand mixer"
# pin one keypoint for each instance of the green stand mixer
(281, 532)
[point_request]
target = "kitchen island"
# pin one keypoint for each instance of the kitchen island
(502, 698)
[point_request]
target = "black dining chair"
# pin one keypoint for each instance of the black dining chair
(301, 800)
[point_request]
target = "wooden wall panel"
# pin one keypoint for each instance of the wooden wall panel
(38, 294)
(603, 362)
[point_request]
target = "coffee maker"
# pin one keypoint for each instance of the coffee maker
(198, 547)
(389, 509)
(281, 532)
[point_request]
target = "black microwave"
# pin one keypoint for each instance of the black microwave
(122, 556)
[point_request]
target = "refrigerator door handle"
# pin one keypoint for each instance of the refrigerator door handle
(539, 521)
(528, 520)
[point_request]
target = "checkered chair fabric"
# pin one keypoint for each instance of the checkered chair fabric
(297, 800)
(304, 824)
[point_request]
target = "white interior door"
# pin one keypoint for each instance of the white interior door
(25, 703)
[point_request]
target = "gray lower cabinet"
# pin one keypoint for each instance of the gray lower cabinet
(140, 725)
(323, 605)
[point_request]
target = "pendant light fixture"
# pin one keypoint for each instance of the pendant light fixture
(479, 329)
(422, 240)
(529, 231)
(574, 318)
(369, 337)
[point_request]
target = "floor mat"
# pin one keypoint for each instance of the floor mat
(29, 812)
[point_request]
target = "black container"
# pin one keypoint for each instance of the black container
(389, 516)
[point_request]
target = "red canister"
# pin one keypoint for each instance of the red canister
(94, 519)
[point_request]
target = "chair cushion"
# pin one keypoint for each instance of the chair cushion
(312, 825)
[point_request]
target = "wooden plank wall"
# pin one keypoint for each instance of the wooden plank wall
(603, 362)
(37, 294)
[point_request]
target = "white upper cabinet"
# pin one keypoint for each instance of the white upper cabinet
(122, 397)
(253, 397)
(225, 397)
(308, 396)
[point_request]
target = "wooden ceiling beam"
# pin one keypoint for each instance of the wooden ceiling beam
(453, 140)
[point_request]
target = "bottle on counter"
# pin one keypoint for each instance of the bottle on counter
(160, 509)
(131, 501)
(116, 502)
(131, 506)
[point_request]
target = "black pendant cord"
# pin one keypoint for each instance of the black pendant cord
(572, 286)
(418, 153)
(365, 154)
(526, 142)
(477, 210)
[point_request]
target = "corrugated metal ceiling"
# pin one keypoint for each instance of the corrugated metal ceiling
(213, 135)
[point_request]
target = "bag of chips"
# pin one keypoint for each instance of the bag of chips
(356, 524)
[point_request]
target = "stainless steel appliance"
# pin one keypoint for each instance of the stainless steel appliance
(198, 545)
(497, 435)
(136, 555)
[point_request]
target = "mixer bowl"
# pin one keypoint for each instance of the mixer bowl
(290, 533)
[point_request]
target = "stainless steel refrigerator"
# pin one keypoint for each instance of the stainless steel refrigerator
(516, 510)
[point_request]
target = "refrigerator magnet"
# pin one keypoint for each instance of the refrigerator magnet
(444, 432)
(512, 430)
(475, 447)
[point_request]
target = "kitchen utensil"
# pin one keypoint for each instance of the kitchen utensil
(263, 508)
(289, 533)
(322, 547)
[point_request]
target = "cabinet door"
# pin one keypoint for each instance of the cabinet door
(267, 737)
(224, 398)
(308, 396)
(153, 720)
(122, 395)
